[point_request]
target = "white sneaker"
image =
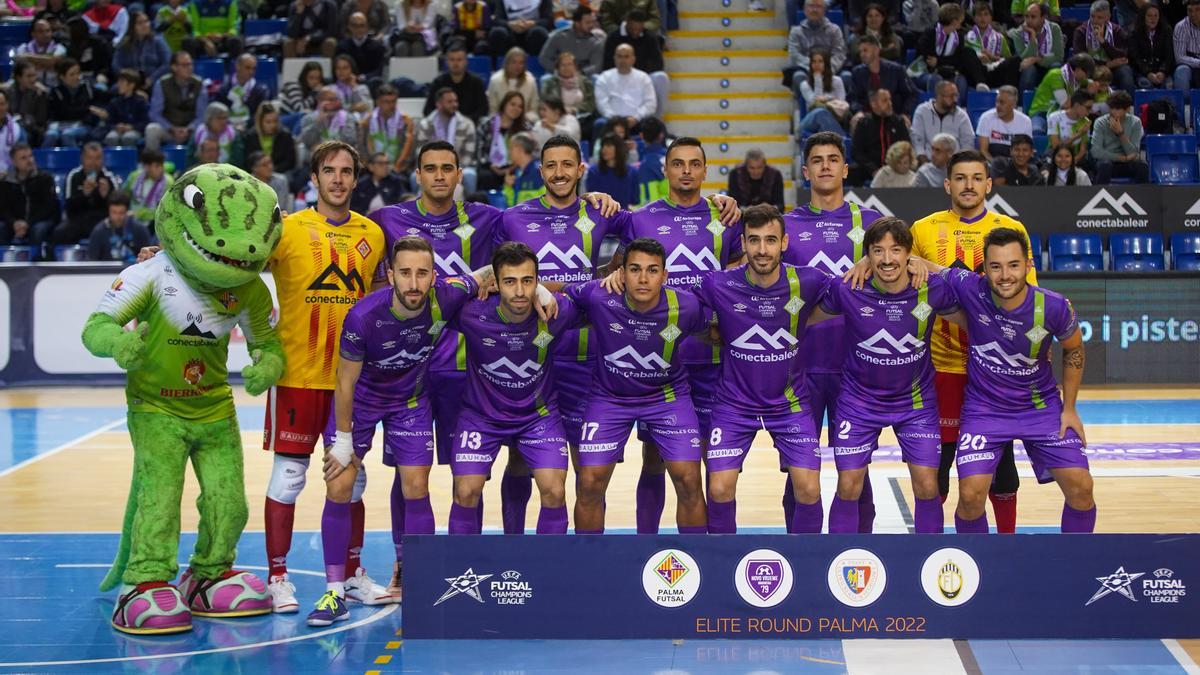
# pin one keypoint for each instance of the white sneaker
(283, 595)
(757, 6)
(362, 588)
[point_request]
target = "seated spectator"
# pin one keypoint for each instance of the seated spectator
(647, 53)
(108, 20)
(941, 114)
(992, 47)
(177, 102)
(874, 22)
(612, 12)
(143, 51)
(376, 12)
(147, 185)
(301, 96)
(1116, 142)
(268, 136)
(520, 23)
(329, 122)
(56, 13)
(577, 93)
(1020, 168)
(125, 117)
(920, 16)
(173, 23)
(512, 76)
(612, 174)
(579, 39)
(368, 51)
(1105, 42)
(1150, 49)
(216, 28)
(262, 168)
(380, 187)
(1054, 93)
(652, 182)
(11, 133)
(1038, 43)
(389, 131)
(28, 99)
(88, 188)
(216, 127)
(998, 126)
(355, 95)
(945, 56)
(1187, 48)
(523, 179)
(470, 21)
(310, 28)
(416, 28)
(41, 51)
(754, 182)
(625, 91)
(824, 96)
(815, 32)
(70, 106)
(1071, 125)
(873, 73)
(933, 173)
(897, 171)
(119, 236)
(472, 96)
(29, 209)
(494, 133)
(91, 52)
(554, 120)
(874, 134)
(1101, 87)
(208, 152)
(619, 127)
(445, 123)
(243, 93)
(1063, 170)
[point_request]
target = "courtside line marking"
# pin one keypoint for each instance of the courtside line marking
(57, 449)
(1181, 655)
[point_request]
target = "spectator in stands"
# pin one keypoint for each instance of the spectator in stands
(493, 134)
(355, 95)
(124, 118)
(941, 114)
(874, 134)
(269, 137)
(897, 171)
(612, 12)
(216, 127)
(754, 182)
(992, 47)
(379, 188)
(625, 91)
(108, 20)
(919, 16)
(28, 99)
(1105, 42)
(1063, 170)
(1038, 43)
(70, 106)
(1071, 125)
(612, 174)
(554, 120)
(933, 173)
(472, 96)
(576, 92)
(1187, 48)
(816, 31)
(176, 103)
(1021, 167)
(310, 29)
(579, 39)
(368, 51)
(300, 97)
(388, 130)
(647, 54)
(446, 123)
(523, 179)
(262, 168)
(470, 21)
(876, 73)
(147, 185)
(142, 50)
(216, 28)
(1116, 142)
(119, 236)
(652, 182)
(328, 122)
(91, 52)
(1054, 93)
(11, 133)
(520, 23)
(512, 76)
(209, 152)
(824, 96)
(1101, 87)
(998, 126)
(619, 127)
(874, 22)
(29, 208)
(88, 188)
(1019, 8)
(173, 23)
(1150, 49)
(377, 13)
(945, 56)
(41, 51)
(56, 13)
(243, 93)
(416, 28)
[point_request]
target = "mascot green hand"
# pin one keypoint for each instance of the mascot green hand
(218, 227)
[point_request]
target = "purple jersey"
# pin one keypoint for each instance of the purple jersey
(697, 244)
(761, 330)
(831, 241)
(462, 241)
(1009, 366)
(640, 361)
(506, 374)
(567, 243)
(888, 367)
(395, 352)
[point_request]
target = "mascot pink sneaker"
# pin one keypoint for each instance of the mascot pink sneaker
(233, 594)
(152, 608)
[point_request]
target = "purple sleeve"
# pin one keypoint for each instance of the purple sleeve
(832, 302)
(941, 296)
(959, 281)
(733, 243)
(500, 232)
(1061, 320)
(698, 316)
(580, 292)
(454, 293)
(569, 314)
(816, 286)
(351, 346)
(704, 292)
(621, 227)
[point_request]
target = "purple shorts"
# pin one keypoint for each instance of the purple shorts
(540, 441)
(856, 435)
(446, 389)
(981, 439)
(607, 423)
(733, 432)
(407, 433)
(702, 378)
(823, 392)
(573, 383)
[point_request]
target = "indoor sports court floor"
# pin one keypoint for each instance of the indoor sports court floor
(64, 470)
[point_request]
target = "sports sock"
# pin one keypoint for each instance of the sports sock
(843, 516)
(552, 520)
(651, 498)
(398, 517)
(722, 517)
(1075, 521)
(514, 501)
(866, 507)
(479, 513)
(278, 518)
(463, 520)
(977, 526)
(789, 504)
(418, 516)
(692, 529)
(928, 517)
(358, 517)
(1004, 505)
(335, 538)
(595, 531)
(808, 518)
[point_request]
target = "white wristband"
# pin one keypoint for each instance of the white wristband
(543, 296)
(343, 448)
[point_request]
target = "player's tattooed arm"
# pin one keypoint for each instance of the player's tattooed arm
(729, 211)
(1072, 373)
(486, 278)
(601, 201)
(545, 303)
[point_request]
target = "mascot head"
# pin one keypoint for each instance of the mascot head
(219, 224)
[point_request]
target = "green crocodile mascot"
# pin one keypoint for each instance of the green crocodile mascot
(217, 226)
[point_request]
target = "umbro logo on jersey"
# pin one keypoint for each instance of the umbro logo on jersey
(622, 359)
(996, 203)
(452, 264)
(883, 343)
(332, 275)
(704, 261)
(551, 257)
(867, 311)
(871, 202)
(507, 370)
(836, 267)
(992, 352)
(1104, 204)
(757, 339)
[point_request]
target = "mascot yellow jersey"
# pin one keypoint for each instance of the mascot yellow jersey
(321, 269)
(947, 240)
